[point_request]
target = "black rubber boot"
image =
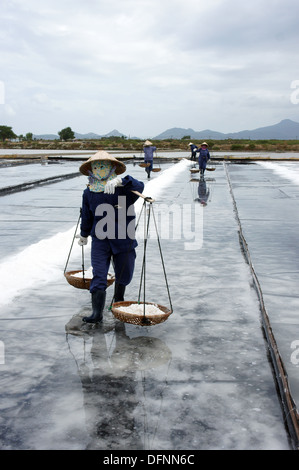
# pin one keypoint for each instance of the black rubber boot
(119, 292)
(98, 303)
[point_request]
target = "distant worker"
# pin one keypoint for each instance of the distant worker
(149, 149)
(203, 157)
(193, 149)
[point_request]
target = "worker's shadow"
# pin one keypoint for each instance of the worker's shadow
(108, 361)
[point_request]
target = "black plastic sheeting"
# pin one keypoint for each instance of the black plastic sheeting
(201, 380)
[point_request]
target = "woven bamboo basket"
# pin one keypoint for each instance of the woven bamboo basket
(135, 319)
(81, 283)
(144, 165)
(156, 170)
(194, 170)
(210, 168)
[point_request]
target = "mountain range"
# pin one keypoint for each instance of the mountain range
(284, 130)
(89, 136)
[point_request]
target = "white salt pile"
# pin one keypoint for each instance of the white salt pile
(88, 274)
(139, 309)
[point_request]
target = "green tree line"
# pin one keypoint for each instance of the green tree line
(67, 141)
(6, 133)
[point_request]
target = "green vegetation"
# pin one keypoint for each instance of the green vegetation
(68, 142)
(66, 134)
(6, 132)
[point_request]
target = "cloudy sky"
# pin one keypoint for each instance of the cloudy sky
(144, 66)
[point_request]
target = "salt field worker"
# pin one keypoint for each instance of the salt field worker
(108, 216)
(203, 157)
(149, 149)
(193, 149)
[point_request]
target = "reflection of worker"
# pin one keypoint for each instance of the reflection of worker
(109, 393)
(108, 217)
(149, 149)
(203, 192)
(203, 157)
(110, 376)
(193, 149)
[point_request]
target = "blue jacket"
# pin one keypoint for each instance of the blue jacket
(111, 217)
(204, 154)
(149, 153)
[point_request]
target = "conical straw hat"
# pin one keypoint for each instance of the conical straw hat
(102, 155)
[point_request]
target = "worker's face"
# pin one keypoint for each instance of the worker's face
(102, 168)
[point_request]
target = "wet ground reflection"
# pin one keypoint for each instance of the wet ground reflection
(200, 380)
(108, 363)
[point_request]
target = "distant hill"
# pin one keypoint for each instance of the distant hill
(114, 133)
(179, 133)
(89, 136)
(284, 130)
(46, 137)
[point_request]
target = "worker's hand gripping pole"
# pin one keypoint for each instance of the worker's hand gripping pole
(146, 198)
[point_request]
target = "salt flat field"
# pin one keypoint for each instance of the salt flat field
(202, 380)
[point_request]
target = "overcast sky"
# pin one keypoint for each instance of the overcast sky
(144, 66)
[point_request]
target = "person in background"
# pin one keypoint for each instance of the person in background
(203, 157)
(108, 216)
(149, 149)
(193, 149)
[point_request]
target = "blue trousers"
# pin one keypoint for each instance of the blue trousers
(149, 168)
(202, 163)
(101, 257)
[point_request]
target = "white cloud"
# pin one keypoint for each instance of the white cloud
(2, 93)
(9, 110)
(143, 66)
